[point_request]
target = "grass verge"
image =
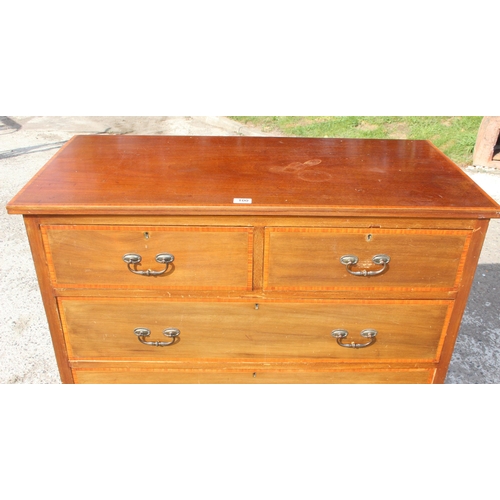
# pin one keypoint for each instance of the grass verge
(454, 135)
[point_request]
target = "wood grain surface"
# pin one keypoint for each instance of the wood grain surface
(205, 257)
(408, 331)
(131, 376)
(309, 258)
(109, 174)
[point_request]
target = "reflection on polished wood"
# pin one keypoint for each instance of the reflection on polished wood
(154, 175)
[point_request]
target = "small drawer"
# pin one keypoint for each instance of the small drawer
(140, 329)
(330, 258)
(209, 258)
(131, 376)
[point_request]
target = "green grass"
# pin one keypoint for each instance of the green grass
(454, 135)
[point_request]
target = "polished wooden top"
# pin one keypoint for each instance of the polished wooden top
(125, 174)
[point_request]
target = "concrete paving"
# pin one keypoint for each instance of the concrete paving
(27, 143)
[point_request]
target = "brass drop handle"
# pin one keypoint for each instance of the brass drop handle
(132, 259)
(168, 332)
(351, 260)
(342, 334)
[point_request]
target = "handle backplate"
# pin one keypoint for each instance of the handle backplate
(132, 259)
(369, 333)
(352, 260)
(142, 333)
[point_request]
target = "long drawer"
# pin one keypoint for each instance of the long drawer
(310, 258)
(201, 257)
(131, 376)
(100, 329)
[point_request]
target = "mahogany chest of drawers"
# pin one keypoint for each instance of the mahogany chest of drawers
(247, 259)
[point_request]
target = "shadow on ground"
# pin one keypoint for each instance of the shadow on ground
(476, 359)
(8, 125)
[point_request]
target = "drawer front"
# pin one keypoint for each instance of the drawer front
(410, 376)
(310, 258)
(100, 329)
(204, 258)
